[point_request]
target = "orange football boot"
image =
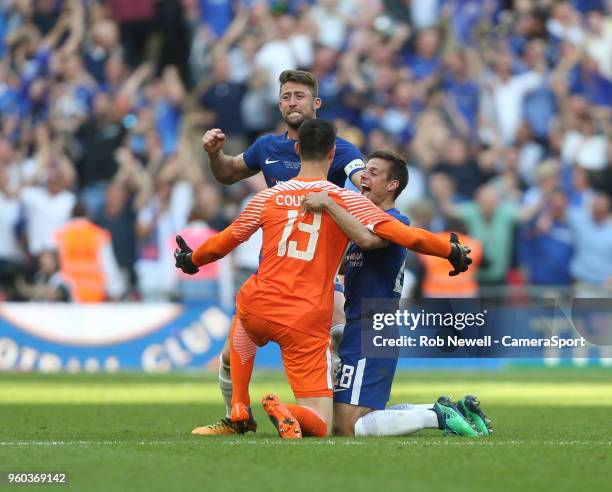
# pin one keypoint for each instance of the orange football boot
(225, 427)
(286, 424)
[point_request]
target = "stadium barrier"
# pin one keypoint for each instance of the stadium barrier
(110, 337)
(157, 337)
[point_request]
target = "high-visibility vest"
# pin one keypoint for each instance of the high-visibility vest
(437, 282)
(80, 243)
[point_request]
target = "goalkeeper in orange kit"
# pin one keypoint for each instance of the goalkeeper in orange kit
(290, 299)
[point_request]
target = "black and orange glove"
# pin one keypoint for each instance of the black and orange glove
(458, 257)
(182, 257)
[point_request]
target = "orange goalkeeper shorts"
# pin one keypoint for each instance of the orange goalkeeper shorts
(307, 359)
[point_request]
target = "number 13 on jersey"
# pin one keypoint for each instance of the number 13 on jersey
(313, 236)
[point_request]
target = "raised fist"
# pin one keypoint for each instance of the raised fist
(213, 141)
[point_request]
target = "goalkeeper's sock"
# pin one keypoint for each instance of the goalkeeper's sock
(410, 406)
(311, 423)
(225, 383)
(395, 422)
(242, 359)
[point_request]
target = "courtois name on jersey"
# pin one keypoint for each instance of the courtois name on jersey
(375, 274)
(275, 156)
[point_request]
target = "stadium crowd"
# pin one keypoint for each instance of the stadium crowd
(502, 108)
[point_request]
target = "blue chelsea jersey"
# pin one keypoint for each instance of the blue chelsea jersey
(374, 274)
(275, 157)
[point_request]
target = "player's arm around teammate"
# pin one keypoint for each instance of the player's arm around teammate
(415, 239)
(352, 228)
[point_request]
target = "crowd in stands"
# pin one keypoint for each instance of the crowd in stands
(502, 108)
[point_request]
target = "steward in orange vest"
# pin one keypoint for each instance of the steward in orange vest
(437, 283)
(87, 261)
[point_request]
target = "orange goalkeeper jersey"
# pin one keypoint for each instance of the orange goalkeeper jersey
(301, 252)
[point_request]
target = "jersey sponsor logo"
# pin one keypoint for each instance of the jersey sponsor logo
(288, 200)
(354, 259)
(269, 161)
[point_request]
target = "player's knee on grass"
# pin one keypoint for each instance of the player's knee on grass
(344, 427)
(345, 416)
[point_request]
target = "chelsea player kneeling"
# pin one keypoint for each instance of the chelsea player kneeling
(363, 385)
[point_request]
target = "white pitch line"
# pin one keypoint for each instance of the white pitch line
(453, 442)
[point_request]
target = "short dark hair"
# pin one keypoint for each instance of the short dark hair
(397, 167)
(79, 210)
(300, 77)
(316, 137)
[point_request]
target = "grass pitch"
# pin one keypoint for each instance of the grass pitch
(131, 432)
